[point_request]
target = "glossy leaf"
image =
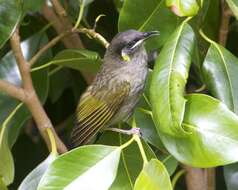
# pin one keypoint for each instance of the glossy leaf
(10, 15)
(184, 7)
(66, 173)
(231, 176)
(82, 60)
(153, 177)
(212, 134)
(220, 70)
(136, 14)
(2, 185)
(169, 79)
(233, 4)
(33, 178)
(131, 162)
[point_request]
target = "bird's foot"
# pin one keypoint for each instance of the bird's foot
(132, 131)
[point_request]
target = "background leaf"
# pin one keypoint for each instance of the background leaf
(138, 15)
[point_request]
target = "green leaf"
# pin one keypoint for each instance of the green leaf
(33, 178)
(86, 167)
(10, 15)
(153, 177)
(29, 5)
(6, 159)
(82, 60)
(212, 134)
(131, 162)
(184, 7)
(231, 176)
(169, 79)
(152, 15)
(2, 185)
(220, 70)
(233, 4)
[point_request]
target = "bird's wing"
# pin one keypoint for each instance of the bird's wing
(95, 110)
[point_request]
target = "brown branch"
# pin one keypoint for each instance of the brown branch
(31, 99)
(195, 178)
(224, 26)
(210, 178)
(12, 90)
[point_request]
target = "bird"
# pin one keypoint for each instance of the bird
(116, 88)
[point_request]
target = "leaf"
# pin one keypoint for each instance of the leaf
(131, 162)
(153, 177)
(184, 7)
(10, 15)
(143, 16)
(212, 134)
(77, 168)
(2, 185)
(29, 5)
(231, 176)
(6, 159)
(82, 60)
(169, 79)
(220, 70)
(33, 178)
(233, 4)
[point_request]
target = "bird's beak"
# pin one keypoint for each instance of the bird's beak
(147, 35)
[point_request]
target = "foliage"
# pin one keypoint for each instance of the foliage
(181, 123)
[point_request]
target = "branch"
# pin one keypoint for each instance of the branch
(12, 90)
(31, 99)
(195, 178)
(224, 27)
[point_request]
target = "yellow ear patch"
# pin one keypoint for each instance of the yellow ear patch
(125, 57)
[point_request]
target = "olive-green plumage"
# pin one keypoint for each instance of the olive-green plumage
(116, 88)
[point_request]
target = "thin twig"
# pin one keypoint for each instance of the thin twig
(31, 99)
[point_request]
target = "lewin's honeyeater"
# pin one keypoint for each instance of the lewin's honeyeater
(116, 88)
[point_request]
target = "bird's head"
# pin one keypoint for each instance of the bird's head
(127, 43)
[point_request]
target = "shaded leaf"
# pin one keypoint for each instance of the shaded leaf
(10, 15)
(220, 70)
(33, 178)
(170, 74)
(154, 176)
(82, 60)
(231, 176)
(66, 173)
(147, 19)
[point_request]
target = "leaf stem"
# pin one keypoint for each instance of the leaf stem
(142, 151)
(52, 141)
(80, 14)
(138, 141)
(127, 143)
(176, 177)
(206, 37)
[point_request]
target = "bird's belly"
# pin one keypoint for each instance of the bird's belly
(137, 86)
